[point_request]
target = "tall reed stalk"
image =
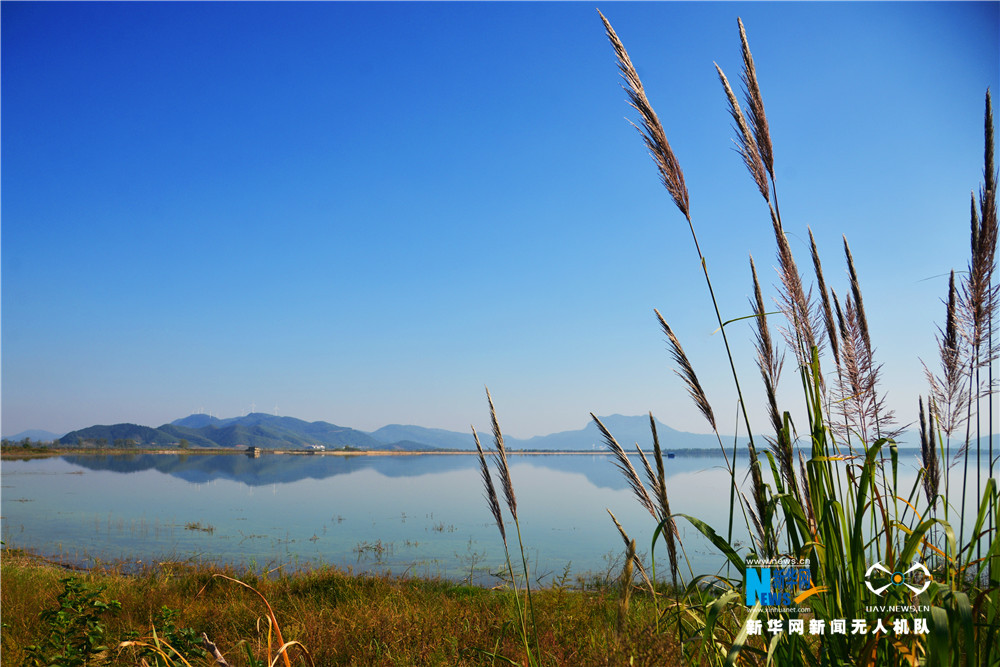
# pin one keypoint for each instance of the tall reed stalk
(842, 511)
(525, 609)
(672, 178)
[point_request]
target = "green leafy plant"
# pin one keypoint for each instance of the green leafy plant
(166, 644)
(77, 631)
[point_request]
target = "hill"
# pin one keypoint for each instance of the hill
(118, 435)
(35, 434)
(272, 432)
(627, 430)
(253, 430)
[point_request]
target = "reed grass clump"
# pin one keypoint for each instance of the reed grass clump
(827, 497)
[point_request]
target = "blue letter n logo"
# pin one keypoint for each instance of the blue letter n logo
(757, 585)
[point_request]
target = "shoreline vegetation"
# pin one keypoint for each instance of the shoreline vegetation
(341, 618)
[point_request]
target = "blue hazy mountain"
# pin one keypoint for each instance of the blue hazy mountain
(272, 432)
(35, 434)
(627, 431)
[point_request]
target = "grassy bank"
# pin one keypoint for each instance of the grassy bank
(340, 619)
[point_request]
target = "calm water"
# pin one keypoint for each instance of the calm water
(422, 515)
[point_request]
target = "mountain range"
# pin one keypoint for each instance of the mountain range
(272, 432)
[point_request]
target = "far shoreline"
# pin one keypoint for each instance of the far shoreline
(18, 452)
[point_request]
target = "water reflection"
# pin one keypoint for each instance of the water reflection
(420, 514)
(288, 469)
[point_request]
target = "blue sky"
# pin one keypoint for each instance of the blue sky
(364, 213)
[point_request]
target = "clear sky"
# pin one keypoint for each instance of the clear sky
(364, 213)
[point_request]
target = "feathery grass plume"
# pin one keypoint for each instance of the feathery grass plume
(856, 293)
(801, 333)
(948, 389)
(770, 365)
(686, 372)
(747, 145)
(652, 131)
(979, 304)
(979, 295)
(755, 105)
(660, 487)
(650, 475)
(768, 362)
(638, 562)
(501, 460)
(878, 417)
(625, 466)
(807, 494)
(928, 453)
(831, 328)
(660, 482)
(841, 322)
(758, 155)
(763, 542)
(758, 510)
(859, 402)
(491, 492)
(626, 587)
(673, 180)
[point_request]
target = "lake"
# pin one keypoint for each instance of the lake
(422, 515)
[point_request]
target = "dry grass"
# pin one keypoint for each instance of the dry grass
(348, 620)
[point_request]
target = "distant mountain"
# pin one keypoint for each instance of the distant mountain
(273, 432)
(197, 421)
(35, 434)
(431, 437)
(627, 431)
(118, 435)
(253, 430)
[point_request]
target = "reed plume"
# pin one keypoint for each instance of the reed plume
(747, 143)
(758, 509)
(491, 493)
(501, 460)
(660, 491)
(831, 327)
(652, 130)
(686, 372)
(928, 453)
(980, 295)
(672, 178)
(807, 494)
(948, 389)
(768, 361)
(858, 300)
(856, 384)
(770, 365)
(625, 466)
(625, 584)
(638, 562)
(861, 403)
(755, 104)
(503, 468)
(979, 303)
